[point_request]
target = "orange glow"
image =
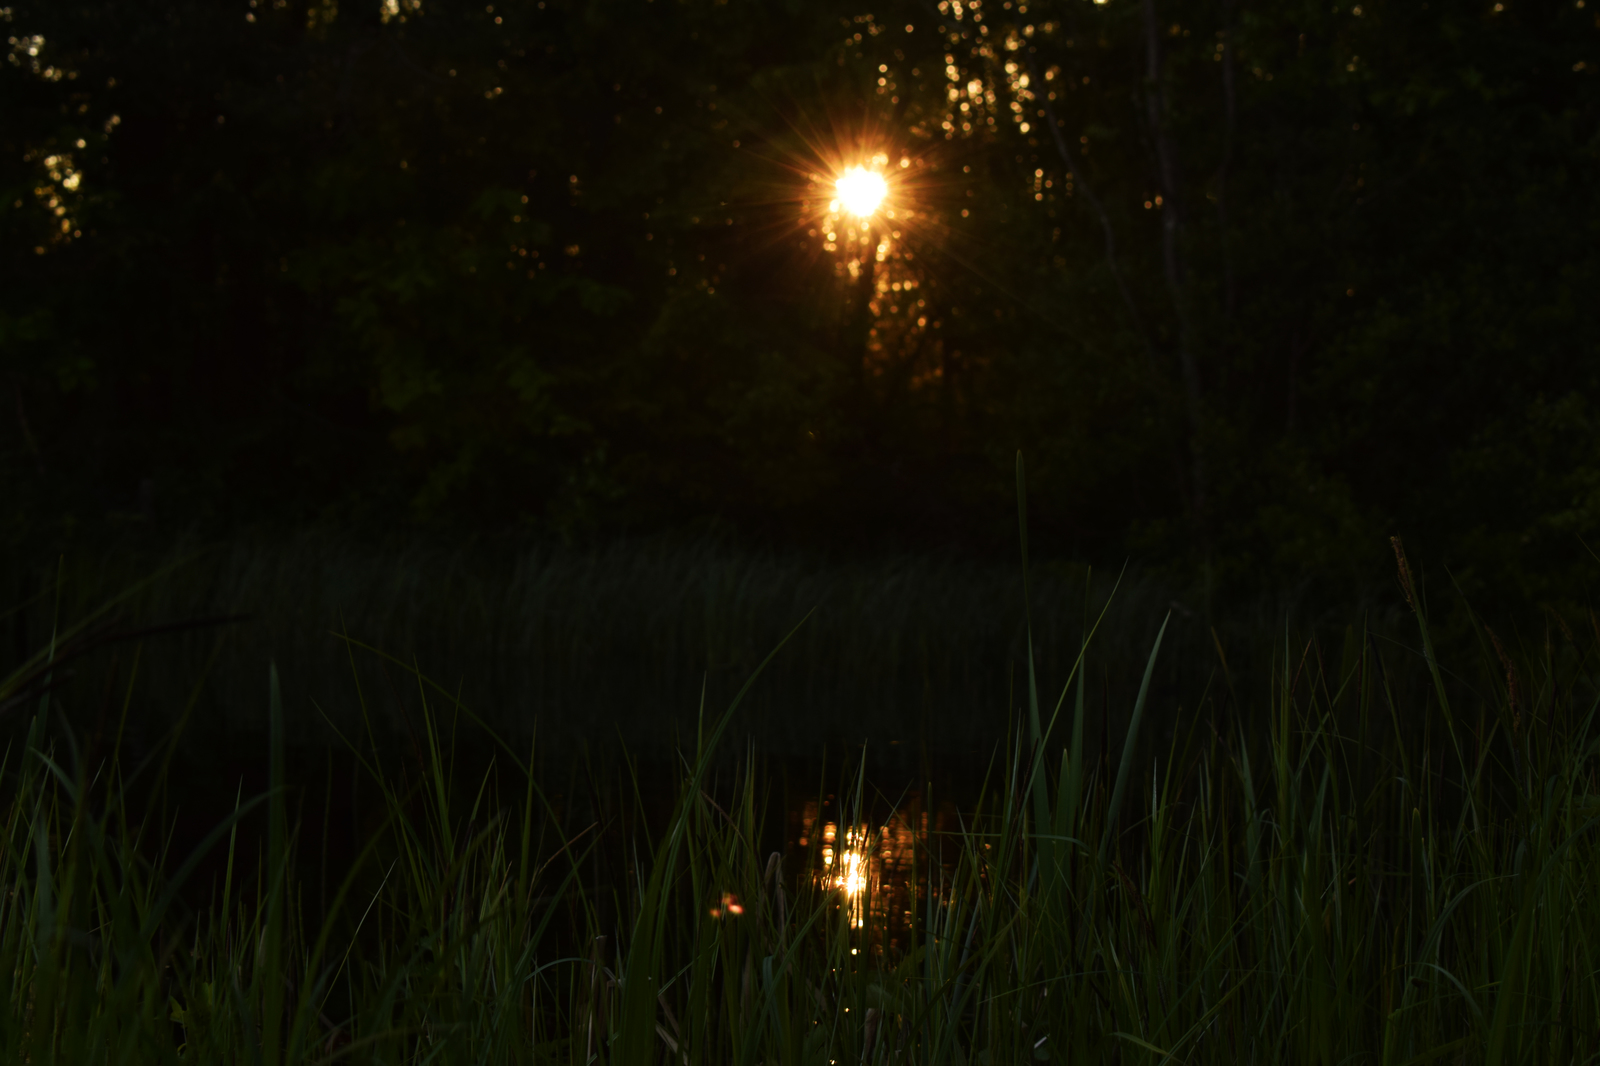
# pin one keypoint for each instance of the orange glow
(861, 191)
(850, 870)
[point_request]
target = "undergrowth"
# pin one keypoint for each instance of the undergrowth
(1345, 874)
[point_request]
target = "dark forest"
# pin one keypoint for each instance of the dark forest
(717, 531)
(1253, 288)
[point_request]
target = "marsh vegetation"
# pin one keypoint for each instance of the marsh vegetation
(1356, 853)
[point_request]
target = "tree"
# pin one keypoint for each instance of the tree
(1253, 287)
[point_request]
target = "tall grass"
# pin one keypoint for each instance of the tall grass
(1353, 871)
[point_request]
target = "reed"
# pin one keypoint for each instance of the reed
(1353, 871)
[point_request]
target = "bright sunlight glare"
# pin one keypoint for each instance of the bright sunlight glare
(861, 191)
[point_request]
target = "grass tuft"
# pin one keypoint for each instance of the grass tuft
(1369, 876)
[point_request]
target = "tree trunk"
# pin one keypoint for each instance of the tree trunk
(1172, 264)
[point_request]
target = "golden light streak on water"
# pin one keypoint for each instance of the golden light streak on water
(870, 866)
(849, 871)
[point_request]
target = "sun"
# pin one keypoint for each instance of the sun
(861, 191)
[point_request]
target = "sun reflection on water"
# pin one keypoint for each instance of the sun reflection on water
(848, 868)
(871, 867)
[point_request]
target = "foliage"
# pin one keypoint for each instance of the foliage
(1229, 272)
